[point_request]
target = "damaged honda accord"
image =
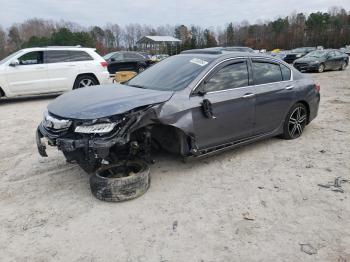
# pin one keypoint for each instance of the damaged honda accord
(193, 104)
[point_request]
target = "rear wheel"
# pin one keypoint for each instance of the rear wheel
(84, 81)
(295, 122)
(343, 66)
(141, 69)
(321, 68)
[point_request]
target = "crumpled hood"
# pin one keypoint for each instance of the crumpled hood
(103, 101)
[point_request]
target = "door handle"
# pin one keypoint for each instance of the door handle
(289, 87)
(40, 67)
(249, 95)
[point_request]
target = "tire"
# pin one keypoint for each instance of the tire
(108, 184)
(140, 69)
(84, 81)
(295, 122)
(321, 68)
(343, 66)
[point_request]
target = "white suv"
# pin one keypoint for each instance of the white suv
(35, 71)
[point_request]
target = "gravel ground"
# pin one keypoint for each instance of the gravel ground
(260, 202)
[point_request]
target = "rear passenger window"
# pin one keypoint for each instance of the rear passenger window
(231, 76)
(79, 56)
(285, 73)
(56, 56)
(265, 72)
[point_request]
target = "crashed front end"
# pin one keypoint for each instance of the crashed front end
(92, 142)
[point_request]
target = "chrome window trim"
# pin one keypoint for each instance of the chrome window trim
(242, 57)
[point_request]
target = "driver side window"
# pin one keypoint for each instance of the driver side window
(231, 76)
(117, 57)
(31, 58)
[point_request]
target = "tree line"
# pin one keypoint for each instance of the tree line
(330, 29)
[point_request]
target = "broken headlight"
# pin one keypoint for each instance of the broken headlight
(96, 129)
(54, 123)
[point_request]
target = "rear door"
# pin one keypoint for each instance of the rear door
(274, 94)
(60, 69)
(30, 76)
(117, 63)
(232, 103)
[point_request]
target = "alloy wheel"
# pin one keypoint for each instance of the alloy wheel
(86, 82)
(297, 122)
(321, 68)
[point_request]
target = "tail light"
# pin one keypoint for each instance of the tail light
(104, 64)
(317, 87)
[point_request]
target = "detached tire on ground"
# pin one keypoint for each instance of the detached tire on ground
(121, 181)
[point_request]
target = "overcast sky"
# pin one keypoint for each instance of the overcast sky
(208, 13)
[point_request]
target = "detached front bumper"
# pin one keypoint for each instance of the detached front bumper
(96, 146)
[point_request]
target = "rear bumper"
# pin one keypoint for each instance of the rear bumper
(314, 105)
(104, 77)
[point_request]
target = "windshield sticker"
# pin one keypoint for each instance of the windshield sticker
(198, 61)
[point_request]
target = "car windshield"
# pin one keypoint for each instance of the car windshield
(9, 57)
(171, 74)
(317, 53)
(108, 56)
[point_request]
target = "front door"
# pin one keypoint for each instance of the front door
(30, 76)
(227, 94)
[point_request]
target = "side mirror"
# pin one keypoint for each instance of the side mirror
(201, 89)
(14, 63)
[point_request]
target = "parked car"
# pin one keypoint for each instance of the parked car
(193, 104)
(321, 60)
(126, 61)
(45, 70)
(158, 58)
(297, 53)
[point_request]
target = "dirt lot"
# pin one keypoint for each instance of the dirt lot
(193, 211)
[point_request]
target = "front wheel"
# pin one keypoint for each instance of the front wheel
(84, 81)
(295, 122)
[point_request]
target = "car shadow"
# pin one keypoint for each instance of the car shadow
(26, 99)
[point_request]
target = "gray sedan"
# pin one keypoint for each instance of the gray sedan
(194, 104)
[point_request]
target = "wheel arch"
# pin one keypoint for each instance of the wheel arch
(306, 104)
(170, 138)
(2, 92)
(87, 74)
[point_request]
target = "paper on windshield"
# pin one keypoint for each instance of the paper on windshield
(198, 61)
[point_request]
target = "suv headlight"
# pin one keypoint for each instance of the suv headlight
(96, 129)
(298, 55)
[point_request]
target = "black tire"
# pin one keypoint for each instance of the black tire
(321, 68)
(84, 81)
(108, 184)
(140, 69)
(295, 122)
(343, 66)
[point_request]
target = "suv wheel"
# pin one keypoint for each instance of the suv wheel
(295, 122)
(84, 81)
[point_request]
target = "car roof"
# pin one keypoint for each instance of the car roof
(221, 53)
(74, 48)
